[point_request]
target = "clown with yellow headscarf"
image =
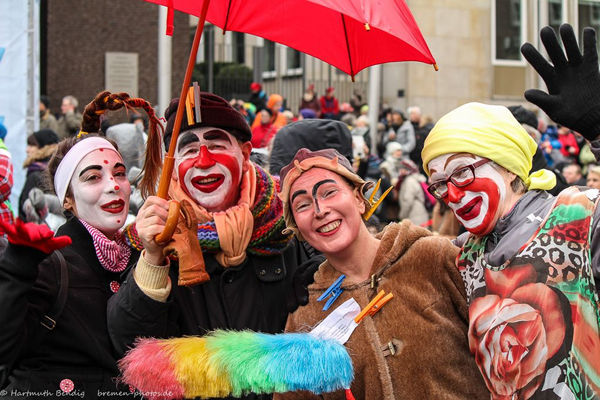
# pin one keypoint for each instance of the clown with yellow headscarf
(528, 259)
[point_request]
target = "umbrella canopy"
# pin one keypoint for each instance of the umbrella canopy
(348, 34)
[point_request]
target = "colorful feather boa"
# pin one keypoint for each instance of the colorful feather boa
(228, 363)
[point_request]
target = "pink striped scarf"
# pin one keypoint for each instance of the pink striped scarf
(112, 254)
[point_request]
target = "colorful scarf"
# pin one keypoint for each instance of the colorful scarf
(267, 213)
(112, 254)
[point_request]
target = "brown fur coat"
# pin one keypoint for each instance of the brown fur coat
(425, 323)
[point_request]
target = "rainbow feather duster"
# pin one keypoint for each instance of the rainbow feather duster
(229, 363)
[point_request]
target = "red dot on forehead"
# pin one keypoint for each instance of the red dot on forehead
(101, 149)
(105, 161)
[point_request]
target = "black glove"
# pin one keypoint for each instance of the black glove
(573, 97)
(298, 295)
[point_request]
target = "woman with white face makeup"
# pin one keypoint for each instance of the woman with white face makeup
(422, 328)
(528, 259)
(54, 336)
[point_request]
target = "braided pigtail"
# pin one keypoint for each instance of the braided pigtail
(153, 159)
(106, 101)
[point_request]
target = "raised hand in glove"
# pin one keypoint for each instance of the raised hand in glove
(33, 235)
(304, 276)
(573, 97)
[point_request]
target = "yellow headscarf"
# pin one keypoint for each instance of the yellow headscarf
(490, 132)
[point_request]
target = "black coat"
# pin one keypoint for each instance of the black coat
(79, 347)
(250, 296)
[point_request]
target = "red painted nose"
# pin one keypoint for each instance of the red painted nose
(204, 159)
(454, 193)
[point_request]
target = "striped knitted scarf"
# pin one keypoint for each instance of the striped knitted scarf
(267, 237)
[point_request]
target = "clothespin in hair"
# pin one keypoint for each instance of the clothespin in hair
(189, 104)
(375, 204)
(374, 306)
(197, 109)
(334, 290)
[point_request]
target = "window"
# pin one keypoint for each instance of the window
(555, 13)
(293, 61)
(589, 15)
(508, 31)
(238, 48)
(269, 59)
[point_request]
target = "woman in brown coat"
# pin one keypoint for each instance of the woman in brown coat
(415, 347)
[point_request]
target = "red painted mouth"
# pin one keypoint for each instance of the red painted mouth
(471, 209)
(208, 183)
(114, 207)
(330, 228)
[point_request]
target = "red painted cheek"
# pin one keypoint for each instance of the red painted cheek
(489, 187)
(182, 170)
(233, 165)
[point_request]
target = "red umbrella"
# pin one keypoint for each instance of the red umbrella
(348, 34)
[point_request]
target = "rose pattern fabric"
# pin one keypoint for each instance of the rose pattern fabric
(534, 322)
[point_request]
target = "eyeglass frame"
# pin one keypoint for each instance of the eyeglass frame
(431, 188)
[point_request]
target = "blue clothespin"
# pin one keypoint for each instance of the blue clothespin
(334, 290)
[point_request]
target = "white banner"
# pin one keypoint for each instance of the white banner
(19, 80)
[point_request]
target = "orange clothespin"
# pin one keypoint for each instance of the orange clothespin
(197, 110)
(375, 305)
(189, 106)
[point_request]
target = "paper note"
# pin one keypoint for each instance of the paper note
(339, 324)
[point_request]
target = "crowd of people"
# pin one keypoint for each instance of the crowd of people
(486, 240)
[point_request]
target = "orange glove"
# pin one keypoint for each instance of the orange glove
(33, 235)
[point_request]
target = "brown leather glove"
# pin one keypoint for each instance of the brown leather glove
(185, 245)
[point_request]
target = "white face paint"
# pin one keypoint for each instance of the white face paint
(476, 205)
(209, 166)
(101, 191)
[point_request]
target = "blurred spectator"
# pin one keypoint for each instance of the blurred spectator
(346, 109)
(289, 116)
(573, 176)
(330, 108)
(142, 121)
(551, 147)
(258, 97)
(40, 147)
(569, 147)
(593, 177)
(308, 113)
(422, 126)
(356, 101)
(263, 133)
(310, 100)
(349, 119)
(586, 158)
(6, 183)
(47, 119)
(443, 221)
(411, 196)
(70, 120)
(390, 167)
(277, 118)
(130, 141)
(402, 132)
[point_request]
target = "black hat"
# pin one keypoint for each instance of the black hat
(216, 112)
(524, 116)
(45, 137)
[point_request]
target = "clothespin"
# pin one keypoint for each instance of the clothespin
(189, 104)
(334, 290)
(375, 204)
(375, 305)
(197, 112)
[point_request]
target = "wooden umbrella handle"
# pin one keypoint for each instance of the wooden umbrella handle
(171, 224)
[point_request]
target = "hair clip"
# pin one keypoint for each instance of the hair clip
(334, 290)
(375, 204)
(82, 133)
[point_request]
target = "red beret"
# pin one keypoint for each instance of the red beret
(216, 112)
